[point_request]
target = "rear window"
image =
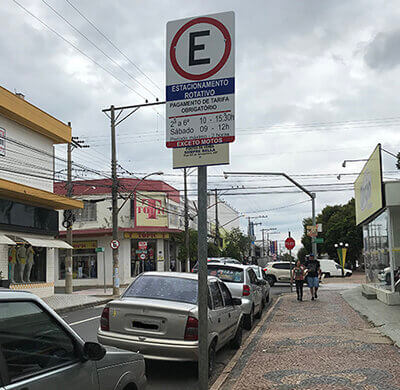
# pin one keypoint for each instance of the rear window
(226, 274)
(164, 288)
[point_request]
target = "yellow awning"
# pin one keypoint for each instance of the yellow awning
(26, 114)
(35, 197)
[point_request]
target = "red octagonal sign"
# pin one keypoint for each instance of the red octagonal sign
(290, 243)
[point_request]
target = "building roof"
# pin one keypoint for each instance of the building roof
(103, 186)
(36, 197)
(26, 114)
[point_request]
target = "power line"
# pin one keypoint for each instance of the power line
(97, 47)
(77, 48)
(112, 43)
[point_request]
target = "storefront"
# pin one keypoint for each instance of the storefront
(378, 211)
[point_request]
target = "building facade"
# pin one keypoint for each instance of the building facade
(150, 220)
(28, 206)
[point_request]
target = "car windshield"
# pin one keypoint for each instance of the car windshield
(164, 288)
(227, 274)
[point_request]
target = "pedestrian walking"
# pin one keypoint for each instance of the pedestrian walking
(313, 274)
(298, 274)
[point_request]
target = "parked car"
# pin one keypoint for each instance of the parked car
(158, 316)
(384, 275)
(278, 271)
(262, 276)
(331, 268)
(243, 283)
(38, 350)
(216, 260)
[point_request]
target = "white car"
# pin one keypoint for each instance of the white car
(331, 268)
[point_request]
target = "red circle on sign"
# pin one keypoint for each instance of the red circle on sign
(290, 243)
(114, 244)
(221, 63)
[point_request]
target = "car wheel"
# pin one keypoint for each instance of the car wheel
(236, 342)
(348, 274)
(271, 280)
(387, 278)
(267, 298)
(211, 358)
(259, 313)
(327, 275)
(249, 319)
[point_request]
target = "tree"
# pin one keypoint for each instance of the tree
(339, 225)
(301, 254)
(237, 244)
(287, 257)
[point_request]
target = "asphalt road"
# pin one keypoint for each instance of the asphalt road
(160, 375)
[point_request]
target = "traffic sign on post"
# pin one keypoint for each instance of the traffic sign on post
(200, 83)
(290, 243)
(114, 244)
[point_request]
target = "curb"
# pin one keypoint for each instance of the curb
(219, 382)
(68, 309)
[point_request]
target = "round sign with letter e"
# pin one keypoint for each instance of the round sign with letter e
(290, 243)
(114, 244)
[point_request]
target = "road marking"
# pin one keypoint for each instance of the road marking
(82, 321)
(224, 375)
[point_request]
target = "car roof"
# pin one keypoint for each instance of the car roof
(180, 275)
(231, 265)
(6, 293)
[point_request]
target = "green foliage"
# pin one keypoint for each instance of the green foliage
(301, 254)
(237, 244)
(287, 257)
(339, 225)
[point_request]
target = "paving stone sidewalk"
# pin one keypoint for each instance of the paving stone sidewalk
(321, 344)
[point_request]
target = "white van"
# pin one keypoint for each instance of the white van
(331, 268)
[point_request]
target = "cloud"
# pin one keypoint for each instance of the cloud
(383, 53)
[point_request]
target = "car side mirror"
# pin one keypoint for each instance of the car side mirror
(93, 351)
(237, 301)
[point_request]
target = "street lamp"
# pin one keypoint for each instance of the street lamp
(342, 252)
(312, 195)
(346, 161)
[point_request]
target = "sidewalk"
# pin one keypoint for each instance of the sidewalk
(81, 299)
(322, 344)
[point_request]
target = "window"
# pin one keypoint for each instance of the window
(31, 341)
(84, 264)
(165, 288)
(88, 213)
(252, 276)
(226, 273)
(281, 266)
(216, 296)
(226, 294)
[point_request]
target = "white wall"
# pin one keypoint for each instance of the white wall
(23, 159)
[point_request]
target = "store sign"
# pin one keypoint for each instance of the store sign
(85, 245)
(368, 188)
(197, 156)
(142, 245)
(150, 210)
(2, 141)
(145, 235)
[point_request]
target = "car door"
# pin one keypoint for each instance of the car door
(231, 313)
(283, 271)
(37, 352)
(256, 289)
(218, 316)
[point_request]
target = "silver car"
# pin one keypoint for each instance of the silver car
(243, 283)
(38, 351)
(262, 278)
(158, 316)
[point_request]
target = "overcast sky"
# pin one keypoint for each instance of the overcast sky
(316, 83)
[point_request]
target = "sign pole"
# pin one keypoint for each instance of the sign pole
(104, 267)
(291, 268)
(202, 278)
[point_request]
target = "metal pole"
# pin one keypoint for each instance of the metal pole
(104, 270)
(202, 278)
(313, 243)
(291, 268)
(186, 221)
(68, 258)
(263, 246)
(114, 194)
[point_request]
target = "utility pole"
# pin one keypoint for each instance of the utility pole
(263, 243)
(114, 195)
(313, 242)
(291, 267)
(216, 219)
(186, 211)
(68, 214)
(68, 258)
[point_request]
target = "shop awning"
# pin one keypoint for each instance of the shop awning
(6, 240)
(47, 242)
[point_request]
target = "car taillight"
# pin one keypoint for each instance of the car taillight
(105, 319)
(192, 329)
(246, 290)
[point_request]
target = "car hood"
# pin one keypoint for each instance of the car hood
(115, 356)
